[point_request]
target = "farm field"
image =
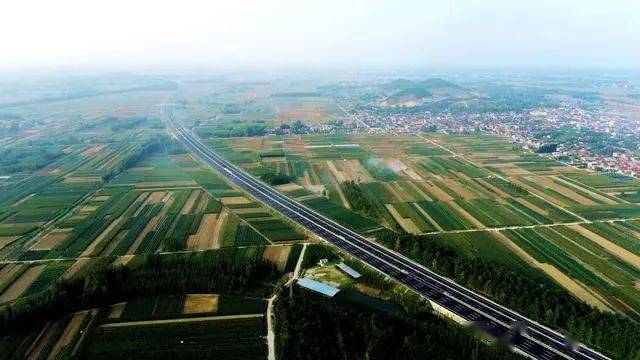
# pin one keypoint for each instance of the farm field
(579, 228)
(206, 324)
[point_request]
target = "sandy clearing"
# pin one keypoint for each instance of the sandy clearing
(68, 334)
(75, 268)
(186, 208)
(6, 240)
(235, 200)
(616, 250)
(277, 255)
(141, 168)
(150, 226)
(407, 224)
(200, 303)
(180, 320)
(51, 239)
(573, 286)
(102, 197)
(92, 247)
(22, 283)
(198, 241)
(160, 184)
(24, 199)
(459, 210)
(213, 241)
(116, 310)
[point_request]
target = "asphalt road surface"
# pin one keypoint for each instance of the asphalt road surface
(524, 335)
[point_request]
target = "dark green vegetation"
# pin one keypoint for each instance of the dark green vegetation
(309, 325)
(221, 339)
(275, 179)
(527, 292)
(357, 199)
(237, 272)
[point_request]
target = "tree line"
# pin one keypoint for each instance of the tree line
(539, 298)
(310, 326)
(221, 272)
(358, 200)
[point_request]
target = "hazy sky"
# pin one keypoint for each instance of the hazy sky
(423, 33)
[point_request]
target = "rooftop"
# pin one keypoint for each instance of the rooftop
(317, 286)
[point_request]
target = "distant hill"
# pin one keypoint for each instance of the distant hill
(437, 83)
(399, 84)
(410, 93)
(432, 83)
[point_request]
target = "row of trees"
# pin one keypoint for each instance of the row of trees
(275, 179)
(358, 200)
(222, 271)
(537, 297)
(311, 327)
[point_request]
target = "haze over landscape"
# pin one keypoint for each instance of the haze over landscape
(320, 180)
(461, 33)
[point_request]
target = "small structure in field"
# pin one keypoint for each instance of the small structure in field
(323, 262)
(349, 270)
(317, 286)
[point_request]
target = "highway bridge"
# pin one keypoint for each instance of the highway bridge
(524, 335)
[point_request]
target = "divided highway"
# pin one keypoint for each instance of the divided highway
(525, 335)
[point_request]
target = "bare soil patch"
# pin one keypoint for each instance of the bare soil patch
(213, 241)
(186, 208)
(83, 179)
(51, 239)
(235, 200)
(200, 303)
(160, 184)
(407, 224)
(92, 247)
(199, 241)
(277, 255)
(6, 240)
(22, 283)
(616, 250)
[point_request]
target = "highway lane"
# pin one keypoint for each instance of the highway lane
(538, 341)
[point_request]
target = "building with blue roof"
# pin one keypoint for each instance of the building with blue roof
(318, 286)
